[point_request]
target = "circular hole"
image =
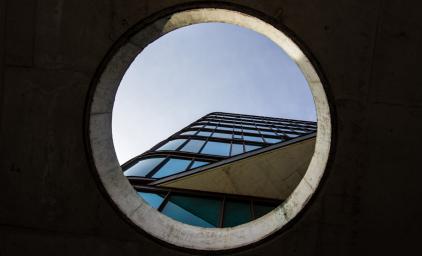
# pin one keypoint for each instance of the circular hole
(250, 129)
(200, 163)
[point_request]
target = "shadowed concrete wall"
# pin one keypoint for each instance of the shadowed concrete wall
(368, 204)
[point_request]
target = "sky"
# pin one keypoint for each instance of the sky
(199, 69)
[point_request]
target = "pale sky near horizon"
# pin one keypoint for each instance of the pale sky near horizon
(199, 69)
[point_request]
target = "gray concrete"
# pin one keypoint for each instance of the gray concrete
(125, 197)
(51, 202)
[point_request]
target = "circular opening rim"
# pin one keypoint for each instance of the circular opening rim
(121, 191)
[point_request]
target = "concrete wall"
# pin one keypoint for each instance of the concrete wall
(369, 202)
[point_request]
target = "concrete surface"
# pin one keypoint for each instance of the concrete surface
(368, 203)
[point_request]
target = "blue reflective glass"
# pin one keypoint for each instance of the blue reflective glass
(143, 167)
(251, 147)
(249, 126)
(272, 140)
(236, 136)
(188, 133)
(222, 135)
(172, 145)
(268, 133)
(225, 128)
(195, 211)
(209, 126)
(153, 199)
(193, 146)
(237, 129)
(198, 164)
(237, 149)
(216, 148)
(262, 209)
(292, 135)
(236, 213)
(202, 133)
(251, 131)
(173, 166)
(252, 138)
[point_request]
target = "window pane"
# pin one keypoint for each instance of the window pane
(225, 128)
(251, 147)
(272, 140)
(202, 133)
(292, 135)
(268, 133)
(209, 126)
(198, 164)
(222, 135)
(216, 148)
(172, 145)
(251, 131)
(193, 146)
(143, 167)
(236, 136)
(262, 209)
(195, 211)
(236, 213)
(171, 167)
(153, 199)
(188, 133)
(252, 138)
(237, 149)
(237, 129)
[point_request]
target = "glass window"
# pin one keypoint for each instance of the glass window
(188, 133)
(253, 138)
(173, 166)
(216, 148)
(236, 213)
(292, 135)
(237, 129)
(143, 167)
(209, 126)
(153, 199)
(237, 149)
(250, 147)
(172, 145)
(272, 140)
(193, 146)
(203, 212)
(250, 131)
(262, 209)
(249, 126)
(198, 164)
(237, 136)
(268, 133)
(202, 133)
(222, 135)
(197, 126)
(225, 128)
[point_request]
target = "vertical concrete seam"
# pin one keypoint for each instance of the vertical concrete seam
(34, 32)
(3, 8)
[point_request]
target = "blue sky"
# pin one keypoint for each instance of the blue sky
(200, 69)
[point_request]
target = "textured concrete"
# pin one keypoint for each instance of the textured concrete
(368, 204)
(122, 193)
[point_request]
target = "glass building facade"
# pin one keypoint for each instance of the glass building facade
(207, 141)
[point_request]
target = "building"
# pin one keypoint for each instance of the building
(368, 203)
(197, 175)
